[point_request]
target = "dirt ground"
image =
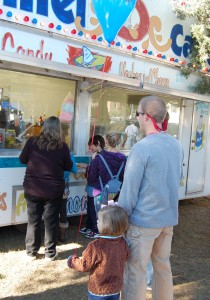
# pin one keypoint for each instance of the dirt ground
(190, 259)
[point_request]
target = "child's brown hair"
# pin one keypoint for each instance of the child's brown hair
(112, 220)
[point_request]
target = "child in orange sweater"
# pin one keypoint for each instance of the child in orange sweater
(105, 257)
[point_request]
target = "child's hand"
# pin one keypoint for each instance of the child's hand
(69, 261)
(82, 165)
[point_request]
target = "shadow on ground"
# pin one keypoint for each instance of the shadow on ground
(13, 237)
(69, 292)
(190, 260)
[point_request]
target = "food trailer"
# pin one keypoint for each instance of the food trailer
(61, 58)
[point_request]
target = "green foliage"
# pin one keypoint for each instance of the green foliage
(200, 31)
(203, 86)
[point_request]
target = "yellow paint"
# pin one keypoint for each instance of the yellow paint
(21, 204)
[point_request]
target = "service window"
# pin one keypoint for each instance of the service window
(26, 100)
(115, 109)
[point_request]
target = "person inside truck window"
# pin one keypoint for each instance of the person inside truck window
(132, 132)
(3, 119)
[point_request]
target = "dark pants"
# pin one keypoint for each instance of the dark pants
(49, 209)
(91, 215)
(63, 211)
(111, 297)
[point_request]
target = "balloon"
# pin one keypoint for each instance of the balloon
(112, 14)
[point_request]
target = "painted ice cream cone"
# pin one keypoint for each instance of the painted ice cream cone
(88, 57)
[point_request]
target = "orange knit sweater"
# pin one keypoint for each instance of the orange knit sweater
(104, 259)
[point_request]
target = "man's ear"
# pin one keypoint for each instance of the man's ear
(146, 117)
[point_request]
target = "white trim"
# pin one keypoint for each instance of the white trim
(125, 82)
(176, 93)
(97, 45)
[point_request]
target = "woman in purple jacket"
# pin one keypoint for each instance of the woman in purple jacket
(47, 157)
(113, 158)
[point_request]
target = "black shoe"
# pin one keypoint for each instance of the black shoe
(92, 235)
(85, 230)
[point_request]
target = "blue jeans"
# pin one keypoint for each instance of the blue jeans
(97, 203)
(111, 297)
(91, 215)
(149, 272)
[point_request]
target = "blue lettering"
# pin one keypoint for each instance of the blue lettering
(187, 46)
(75, 205)
(10, 3)
(42, 7)
(59, 8)
(176, 30)
(26, 5)
(65, 16)
(81, 11)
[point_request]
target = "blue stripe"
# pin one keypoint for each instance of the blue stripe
(13, 162)
(109, 236)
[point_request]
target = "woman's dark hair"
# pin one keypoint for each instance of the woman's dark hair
(97, 140)
(50, 136)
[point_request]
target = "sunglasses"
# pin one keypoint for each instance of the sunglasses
(139, 113)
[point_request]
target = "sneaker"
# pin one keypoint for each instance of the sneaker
(149, 287)
(51, 258)
(92, 235)
(30, 257)
(85, 230)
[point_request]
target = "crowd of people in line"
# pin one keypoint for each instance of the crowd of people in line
(131, 227)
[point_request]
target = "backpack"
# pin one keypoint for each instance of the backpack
(114, 184)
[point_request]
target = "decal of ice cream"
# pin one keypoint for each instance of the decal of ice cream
(88, 57)
(89, 60)
(83, 57)
(67, 109)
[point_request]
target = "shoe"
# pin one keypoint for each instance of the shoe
(30, 257)
(92, 235)
(51, 258)
(85, 230)
(149, 287)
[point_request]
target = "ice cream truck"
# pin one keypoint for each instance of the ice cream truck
(90, 63)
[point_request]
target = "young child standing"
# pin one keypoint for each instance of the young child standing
(96, 145)
(105, 257)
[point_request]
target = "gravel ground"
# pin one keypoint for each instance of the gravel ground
(20, 279)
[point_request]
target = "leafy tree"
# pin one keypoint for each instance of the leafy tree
(199, 58)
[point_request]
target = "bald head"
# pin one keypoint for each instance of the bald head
(154, 106)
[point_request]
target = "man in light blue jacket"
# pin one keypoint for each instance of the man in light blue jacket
(150, 196)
